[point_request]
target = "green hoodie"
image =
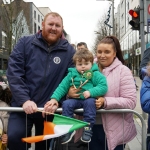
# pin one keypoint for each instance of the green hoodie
(97, 85)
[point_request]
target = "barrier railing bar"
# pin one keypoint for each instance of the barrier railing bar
(144, 133)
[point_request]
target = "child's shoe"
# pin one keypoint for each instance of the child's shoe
(87, 134)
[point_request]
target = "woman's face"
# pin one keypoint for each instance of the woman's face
(105, 54)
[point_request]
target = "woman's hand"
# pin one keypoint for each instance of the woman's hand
(4, 138)
(99, 102)
(73, 92)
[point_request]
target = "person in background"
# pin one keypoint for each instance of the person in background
(113, 130)
(135, 81)
(144, 62)
(92, 84)
(81, 45)
(145, 96)
(34, 71)
(5, 99)
(74, 46)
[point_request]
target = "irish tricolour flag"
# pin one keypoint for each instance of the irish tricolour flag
(60, 125)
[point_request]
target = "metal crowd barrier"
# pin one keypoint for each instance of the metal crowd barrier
(144, 133)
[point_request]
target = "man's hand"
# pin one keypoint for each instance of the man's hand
(73, 92)
(86, 94)
(29, 107)
(99, 102)
(51, 106)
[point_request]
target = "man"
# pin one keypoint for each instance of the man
(81, 45)
(36, 66)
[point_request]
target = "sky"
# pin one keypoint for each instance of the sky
(80, 17)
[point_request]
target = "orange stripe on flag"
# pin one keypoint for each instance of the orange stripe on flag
(49, 128)
(33, 139)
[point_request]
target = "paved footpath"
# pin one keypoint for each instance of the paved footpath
(135, 144)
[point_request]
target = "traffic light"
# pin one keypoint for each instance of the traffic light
(135, 22)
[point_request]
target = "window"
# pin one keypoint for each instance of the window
(38, 18)
(34, 27)
(128, 5)
(122, 4)
(4, 39)
(22, 30)
(128, 20)
(13, 42)
(122, 16)
(122, 29)
(34, 14)
(38, 28)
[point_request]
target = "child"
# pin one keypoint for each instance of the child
(145, 96)
(5, 98)
(92, 83)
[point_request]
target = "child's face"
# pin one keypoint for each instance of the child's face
(83, 65)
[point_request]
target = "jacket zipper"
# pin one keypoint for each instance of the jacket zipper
(44, 77)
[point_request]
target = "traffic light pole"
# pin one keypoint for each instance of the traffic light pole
(142, 28)
(144, 115)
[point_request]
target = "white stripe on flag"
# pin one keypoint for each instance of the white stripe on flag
(59, 130)
(62, 128)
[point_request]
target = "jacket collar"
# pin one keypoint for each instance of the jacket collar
(108, 69)
(60, 44)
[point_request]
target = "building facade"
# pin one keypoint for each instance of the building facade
(129, 39)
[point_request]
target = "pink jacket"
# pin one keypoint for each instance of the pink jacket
(119, 128)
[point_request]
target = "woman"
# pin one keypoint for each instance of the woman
(117, 127)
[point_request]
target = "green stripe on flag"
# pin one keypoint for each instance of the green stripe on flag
(63, 120)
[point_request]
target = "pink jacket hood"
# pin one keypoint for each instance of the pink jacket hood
(119, 128)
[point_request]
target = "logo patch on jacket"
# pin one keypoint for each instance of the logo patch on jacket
(57, 60)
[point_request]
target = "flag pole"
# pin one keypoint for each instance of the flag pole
(45, 112)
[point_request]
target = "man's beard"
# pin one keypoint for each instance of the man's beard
(48, 38)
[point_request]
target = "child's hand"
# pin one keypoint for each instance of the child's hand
(50, 107)
(4, 138)
(86, 94)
